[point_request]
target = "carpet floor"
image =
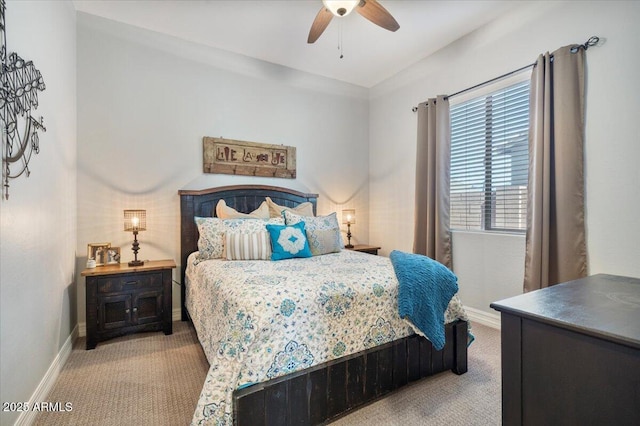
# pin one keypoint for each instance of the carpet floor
(153, 379)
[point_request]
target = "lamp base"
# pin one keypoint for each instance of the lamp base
(349, 246)
(135, 247)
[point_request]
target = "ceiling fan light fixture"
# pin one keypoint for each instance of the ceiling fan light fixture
(340, 7)
(369, 9)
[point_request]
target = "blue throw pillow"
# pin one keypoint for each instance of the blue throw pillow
(288, 241)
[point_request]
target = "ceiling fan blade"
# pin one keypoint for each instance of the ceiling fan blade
(319, 24)
(374, 12)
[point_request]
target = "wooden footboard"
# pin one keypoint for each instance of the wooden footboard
(330, 390)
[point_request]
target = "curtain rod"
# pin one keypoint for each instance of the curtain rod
(593, 40)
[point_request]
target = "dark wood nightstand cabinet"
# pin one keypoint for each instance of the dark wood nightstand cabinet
(365, 248)
(122, 299)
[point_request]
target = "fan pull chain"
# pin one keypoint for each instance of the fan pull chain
(340, 43)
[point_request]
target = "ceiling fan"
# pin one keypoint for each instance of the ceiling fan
(370, 9)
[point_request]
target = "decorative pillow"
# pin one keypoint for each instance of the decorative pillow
(323, 232)
(210, 240)
(302, 209)
(324, 241)
(288, 241)
(225, 212)
(254, 246)
(212, 231)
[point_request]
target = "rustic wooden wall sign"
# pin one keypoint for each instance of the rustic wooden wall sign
(228, 156)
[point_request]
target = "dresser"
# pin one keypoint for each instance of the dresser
(122, 299)
(571, 353)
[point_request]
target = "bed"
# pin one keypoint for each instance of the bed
(303, 378)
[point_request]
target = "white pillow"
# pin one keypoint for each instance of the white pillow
(225, 212)
(302, 209)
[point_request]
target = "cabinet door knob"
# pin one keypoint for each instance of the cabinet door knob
(135, 309)
(126, 311)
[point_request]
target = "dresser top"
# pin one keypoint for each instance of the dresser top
(605, 306)
(124, 268)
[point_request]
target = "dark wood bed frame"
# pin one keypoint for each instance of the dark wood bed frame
(335, 388)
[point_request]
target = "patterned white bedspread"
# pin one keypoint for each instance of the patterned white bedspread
(257, 320)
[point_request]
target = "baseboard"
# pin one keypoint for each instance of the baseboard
(176, 314)
(481, 317)
(49, 379)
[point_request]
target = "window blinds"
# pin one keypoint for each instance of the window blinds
(490, 161)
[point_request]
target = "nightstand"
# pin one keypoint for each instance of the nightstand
(124, 299)
(365, 248)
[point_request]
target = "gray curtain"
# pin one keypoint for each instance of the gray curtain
(431, 233)
(555, 246)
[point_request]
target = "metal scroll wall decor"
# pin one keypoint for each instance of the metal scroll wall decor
(20, 82)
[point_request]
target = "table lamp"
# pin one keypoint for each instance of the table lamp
(136, 221)
(349, 217)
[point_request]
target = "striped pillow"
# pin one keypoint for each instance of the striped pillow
(254, 246)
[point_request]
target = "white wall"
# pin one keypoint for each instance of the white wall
(145, 101)
(38, 222)
(490, 267)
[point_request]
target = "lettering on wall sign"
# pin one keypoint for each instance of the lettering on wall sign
(228, 156)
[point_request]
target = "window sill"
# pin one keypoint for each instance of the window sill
(496, 233)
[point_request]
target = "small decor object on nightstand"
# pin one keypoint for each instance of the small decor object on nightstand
(349, 218)
(98, 252)
(135, 221)
(113, 255)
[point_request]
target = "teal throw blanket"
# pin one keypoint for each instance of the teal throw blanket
(426, 287)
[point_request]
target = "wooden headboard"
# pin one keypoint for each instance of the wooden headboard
(244, 198)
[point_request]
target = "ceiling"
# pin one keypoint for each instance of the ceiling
(276, 31)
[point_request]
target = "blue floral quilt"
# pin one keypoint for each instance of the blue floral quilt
(257, 320)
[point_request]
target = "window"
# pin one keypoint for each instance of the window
(490, 161)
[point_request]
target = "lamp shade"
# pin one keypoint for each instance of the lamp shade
(135, 220)
(349, 216)
(340, 7)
